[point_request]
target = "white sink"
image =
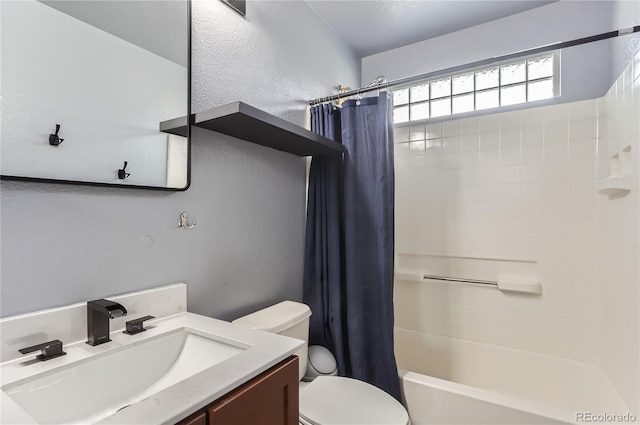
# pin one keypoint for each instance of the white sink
(91, 389)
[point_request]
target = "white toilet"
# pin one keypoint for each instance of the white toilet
(327, 400)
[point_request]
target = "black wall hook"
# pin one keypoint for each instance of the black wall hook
(54, 140)
(122, 174)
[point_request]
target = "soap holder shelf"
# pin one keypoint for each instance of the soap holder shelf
(614, 186)
(620, 182)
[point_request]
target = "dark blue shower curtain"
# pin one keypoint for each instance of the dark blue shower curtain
(323, 272)
(348, 275)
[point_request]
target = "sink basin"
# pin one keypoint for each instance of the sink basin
(88, 390)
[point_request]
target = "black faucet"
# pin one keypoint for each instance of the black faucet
(98, 314)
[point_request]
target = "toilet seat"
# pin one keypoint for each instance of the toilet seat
(331, 400)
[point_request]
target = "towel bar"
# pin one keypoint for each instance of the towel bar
(456, 279)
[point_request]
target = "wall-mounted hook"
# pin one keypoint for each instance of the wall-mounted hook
(122, 174)
(54, 139)
(182, 221)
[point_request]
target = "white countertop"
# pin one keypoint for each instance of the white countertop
(178, 401)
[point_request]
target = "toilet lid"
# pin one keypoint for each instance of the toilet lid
(336, 400)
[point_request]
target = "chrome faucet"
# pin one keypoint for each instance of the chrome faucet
(98, 314)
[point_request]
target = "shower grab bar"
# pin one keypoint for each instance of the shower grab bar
(457, 279)
(529, 285)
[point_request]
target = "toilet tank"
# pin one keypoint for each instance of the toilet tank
(287, 318)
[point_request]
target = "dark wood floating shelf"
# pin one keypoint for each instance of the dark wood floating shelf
(177, 126)
(245, 122)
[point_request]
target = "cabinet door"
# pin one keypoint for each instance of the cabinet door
(269, 399)
(199, 418)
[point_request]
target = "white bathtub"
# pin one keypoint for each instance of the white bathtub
(452, 381)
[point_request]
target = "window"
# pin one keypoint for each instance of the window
(525, 80)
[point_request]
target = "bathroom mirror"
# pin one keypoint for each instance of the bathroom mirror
(85, 85)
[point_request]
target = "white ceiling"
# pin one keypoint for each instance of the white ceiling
(373, 26)
(366, 26)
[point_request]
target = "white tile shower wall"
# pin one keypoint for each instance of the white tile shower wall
(621, 239)
(517, 185)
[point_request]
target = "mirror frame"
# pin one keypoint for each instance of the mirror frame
(126, 186)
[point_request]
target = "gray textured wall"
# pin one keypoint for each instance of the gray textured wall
(66, 244)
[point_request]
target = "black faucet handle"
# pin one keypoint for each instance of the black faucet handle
(136, 326)
(48, 350)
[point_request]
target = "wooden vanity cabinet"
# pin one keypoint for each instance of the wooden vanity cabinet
(271, 398)
(199, 418)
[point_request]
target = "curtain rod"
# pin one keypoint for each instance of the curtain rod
(428, 75)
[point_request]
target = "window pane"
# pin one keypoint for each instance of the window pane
(487, 78)
(512, 95)
(462, 83)
(401, 97)
(523, 81)
(541, 90)
(401, 114)
(540, 67)
(463, 103)
(441, 107)
(440, 88)
(487, 99)
(514, 73)
(420, 92)
(419, 111)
